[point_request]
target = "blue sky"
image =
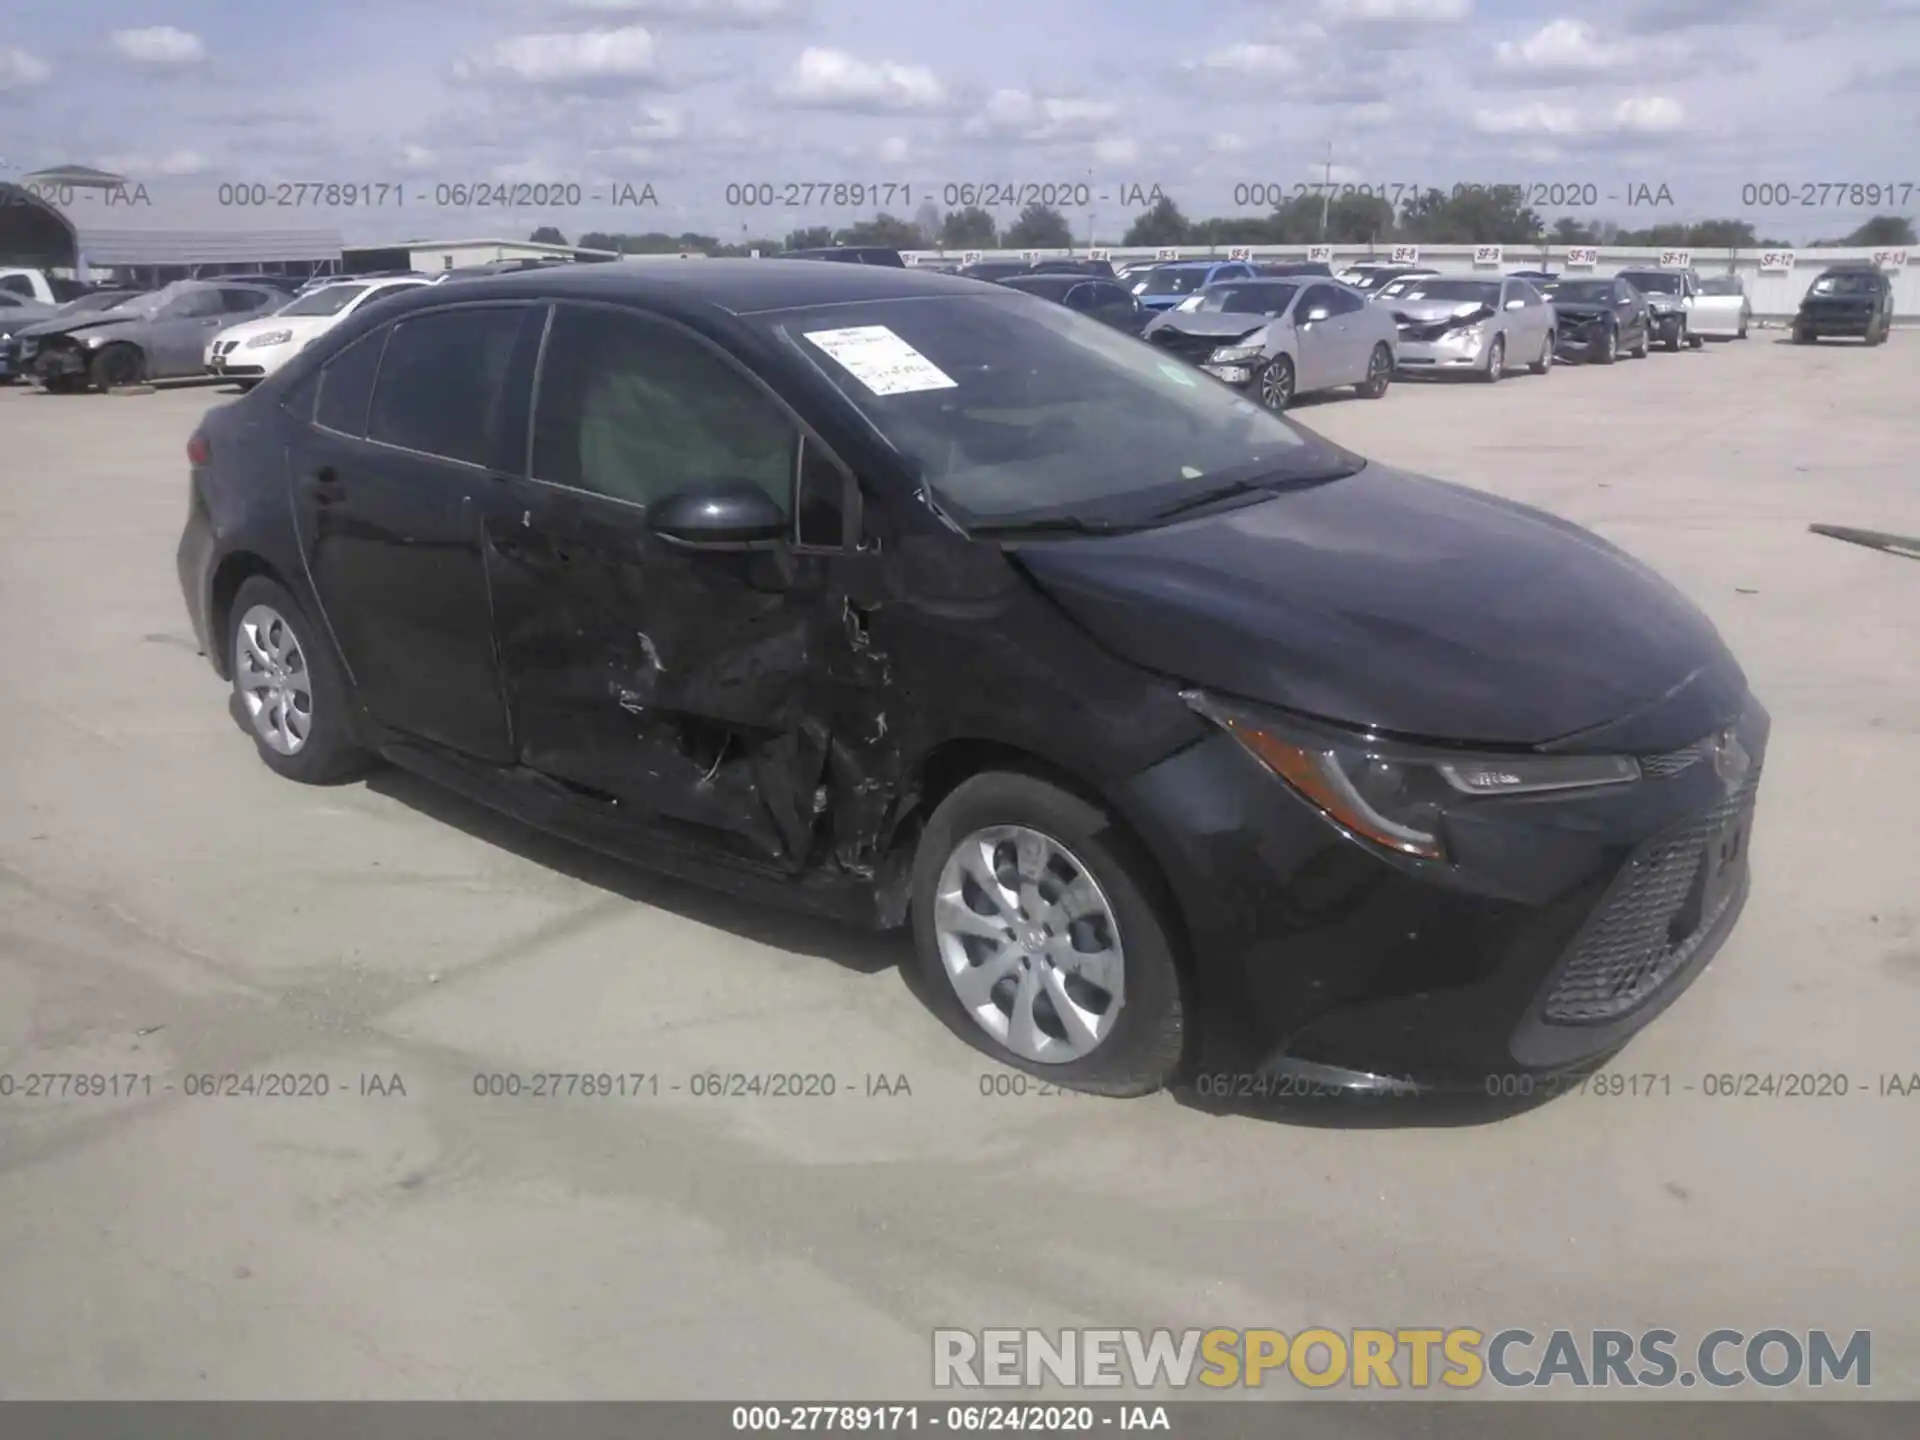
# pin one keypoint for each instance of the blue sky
(1705, 97)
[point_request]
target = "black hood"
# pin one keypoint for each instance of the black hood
(1405, 604)
(1581, 312)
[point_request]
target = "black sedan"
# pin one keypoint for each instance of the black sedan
(1599, 320)
(1850, 300)
(1179, 736)
(1107, 301)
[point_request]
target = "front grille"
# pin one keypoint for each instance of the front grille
(1423, 334)
(1189, 347)
(1628, 949)
(1665, 767)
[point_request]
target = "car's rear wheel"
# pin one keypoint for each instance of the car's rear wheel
(1496, 365)
(117, 366)
(1276, 383)
(1545, 362)
(287, 690)
(1038, 941)
(1696, 342)
(1379, 373)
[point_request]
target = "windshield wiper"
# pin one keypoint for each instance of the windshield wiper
(1270, 483)
(1053, 525)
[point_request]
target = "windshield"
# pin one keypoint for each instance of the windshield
(1012, 412)
(1654, 284)
(1481, 292)
(1054, 287)
(1857, 284)
(330, 300)
(1172, 280)
(1581, 292)
(100, 300)
(1722, 285)
(1244, 299)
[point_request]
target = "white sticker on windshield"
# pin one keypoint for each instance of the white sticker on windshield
(1177, 375)
(881, 360)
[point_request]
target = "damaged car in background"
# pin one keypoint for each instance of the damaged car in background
(1277, 339)
(1456, 323)
(1177, 735)
(1599, 320)
(158, 336)
(1670, 296)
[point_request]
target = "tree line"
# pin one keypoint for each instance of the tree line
(1472, 216)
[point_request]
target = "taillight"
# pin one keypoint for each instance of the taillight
(199, 452)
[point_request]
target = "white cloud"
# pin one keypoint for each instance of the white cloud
(18, 70)
(705, 14)
(1228, 143)
(159, 47)
(594, 57)
(417, 157)
(1116, 151)
(658, 123)
(1649, 115)
(1559, 47)
(894, 150)
(1533, 119)
(1397, 12)
(1018, 114)
(176, 162)
(1247, 59)
(834, 80)
(1372, 114)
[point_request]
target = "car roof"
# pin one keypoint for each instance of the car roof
(741, 287)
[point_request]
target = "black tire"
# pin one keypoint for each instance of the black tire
(1496, 362)
(1609, 348)
(329, 753)
(1545, 362)
(1379, 374)
(1145, 1046)
(1278, 394)
(57, 384)
(1679, 339)
(1643, 347)
(117, 366)
(1696, 342)
(1802, 337)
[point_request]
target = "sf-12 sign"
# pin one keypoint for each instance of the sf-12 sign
(1776, 261)
(1167, 252)
(1676, 259)
(1319, 254)
(1890, 259)
(970, 257)
(1406, 255)
(1583, 257)
(1240, 252)
(1487, 254)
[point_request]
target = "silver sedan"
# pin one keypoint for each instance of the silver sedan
(1482, 326)
(1280, 338)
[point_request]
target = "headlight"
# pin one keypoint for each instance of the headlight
(272, 337)
(1393, 793)
(1235, 355)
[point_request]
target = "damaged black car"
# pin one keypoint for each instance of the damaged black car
(1180, 737)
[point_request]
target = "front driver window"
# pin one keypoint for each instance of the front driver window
(638, 410)
(194, 305)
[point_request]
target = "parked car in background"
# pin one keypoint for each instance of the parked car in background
(254, 349)
(159, 336)
(17, 314)
(1721, 311)
(320, 282)
(1670, 296)
(1177, 735)
(1102, 268)
(995, 270)
(1165, 286)
(850, 255)
(35, 286)
(20, 321)
(1601, 319)
(1283, 269)
(1105, 300)
(1536, 277)
(1368, 276)
(1278, 339)
(1851, 300)
(1449, 322)
(290, 284)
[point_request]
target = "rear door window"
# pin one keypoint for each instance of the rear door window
(440, 390)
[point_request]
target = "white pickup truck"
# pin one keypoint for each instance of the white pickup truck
(34, 285)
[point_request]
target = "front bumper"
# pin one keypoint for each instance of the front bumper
(231, 359)
(1835, 322)
(54, 359)
(1556, 931)
(194, 564)
(1469, 353)
(1668, 324)
(1581, 335)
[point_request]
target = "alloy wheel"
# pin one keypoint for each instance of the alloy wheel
(1497, 358)
(1379, 370)
(1030, 943)
(1276, 384)
(1611, 351)
(273, 679)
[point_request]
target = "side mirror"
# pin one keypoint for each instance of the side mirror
(727, 515)
(1319, 312)
(1516, 304)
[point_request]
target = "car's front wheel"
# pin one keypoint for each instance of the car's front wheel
(1276, 383)
(1679, 337)
(1379, 373)
(1802, 335)
(1496, 365)
(287, 690)
(117, 366)
(1038, 941)
(1609, 348)
(1545, 362)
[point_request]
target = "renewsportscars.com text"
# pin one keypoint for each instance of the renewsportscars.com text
(1412, 1358)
